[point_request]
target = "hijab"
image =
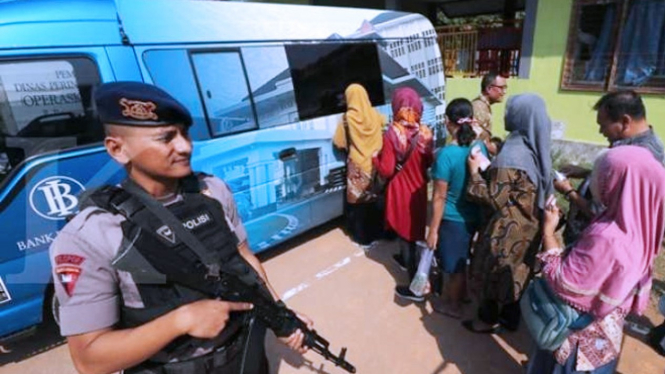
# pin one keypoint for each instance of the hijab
(407, 112)
(364, 125)
(611, 264)
(527, 147)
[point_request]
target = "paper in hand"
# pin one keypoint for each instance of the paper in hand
(551, 201)
(484, 161)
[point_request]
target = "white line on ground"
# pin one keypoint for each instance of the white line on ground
(294, 291)
(331, 269)
(320, 275)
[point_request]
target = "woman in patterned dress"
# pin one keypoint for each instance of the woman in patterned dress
(519, 181)
(360, 134)
(607, 271)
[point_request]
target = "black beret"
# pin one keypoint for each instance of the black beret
(138, 104)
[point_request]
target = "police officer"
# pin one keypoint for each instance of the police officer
(116, 310)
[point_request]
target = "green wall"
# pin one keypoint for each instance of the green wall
(574, 109)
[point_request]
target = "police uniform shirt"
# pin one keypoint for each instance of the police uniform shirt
(87, 285)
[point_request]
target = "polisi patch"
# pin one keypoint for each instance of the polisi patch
(194, 222)
(190, 224)
(140, 110)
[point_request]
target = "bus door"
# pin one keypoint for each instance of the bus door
(50, 151)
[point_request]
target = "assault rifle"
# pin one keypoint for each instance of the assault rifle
(237, 282)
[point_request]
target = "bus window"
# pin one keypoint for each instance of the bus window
(45, 105)
(223, 88)
(272, 87)
(321, 73)
(171, 70)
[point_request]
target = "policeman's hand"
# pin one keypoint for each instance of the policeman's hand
(563, 186)
(574, 171)
(296, 339)
(206, 318)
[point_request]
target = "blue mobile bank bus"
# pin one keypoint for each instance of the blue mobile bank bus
(263, 82)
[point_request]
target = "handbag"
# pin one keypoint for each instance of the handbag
(377, 186)
(549, 319)
(378, 183)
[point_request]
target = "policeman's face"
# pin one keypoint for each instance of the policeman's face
(154, 152)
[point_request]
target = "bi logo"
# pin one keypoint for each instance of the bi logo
(55, 197)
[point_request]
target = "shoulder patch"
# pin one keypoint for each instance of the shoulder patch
(68, 270)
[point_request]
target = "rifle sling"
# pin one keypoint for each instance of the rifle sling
(161, 213)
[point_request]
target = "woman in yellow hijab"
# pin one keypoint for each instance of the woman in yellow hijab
(360, 134)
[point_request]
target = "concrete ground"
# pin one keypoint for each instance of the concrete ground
(349, 295)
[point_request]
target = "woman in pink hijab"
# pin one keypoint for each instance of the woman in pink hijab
(403, 160)
(607, 271)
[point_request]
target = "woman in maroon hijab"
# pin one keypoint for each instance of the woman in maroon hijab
(403, 160)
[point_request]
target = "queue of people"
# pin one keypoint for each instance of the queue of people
(495, 228)
(125, 307)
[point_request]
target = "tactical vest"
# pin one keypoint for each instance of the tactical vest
(204, 218)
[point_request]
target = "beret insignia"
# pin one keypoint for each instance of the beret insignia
(139, 110)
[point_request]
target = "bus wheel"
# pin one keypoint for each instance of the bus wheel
(51, 307)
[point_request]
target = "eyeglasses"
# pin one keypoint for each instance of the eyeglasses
(502, 88)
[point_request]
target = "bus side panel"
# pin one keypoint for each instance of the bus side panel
(124, 64)
(23, 297)
(276, 175)
(40, 191)
(26, 267)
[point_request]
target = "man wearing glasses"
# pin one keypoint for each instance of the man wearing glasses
(492, 90)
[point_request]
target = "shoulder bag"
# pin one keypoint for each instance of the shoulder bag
(549, 319)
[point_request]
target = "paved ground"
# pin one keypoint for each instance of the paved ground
(349, 295)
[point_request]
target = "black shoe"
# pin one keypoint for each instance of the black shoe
(469, 325)
(510, 326)
(399, 260)
(404, 292)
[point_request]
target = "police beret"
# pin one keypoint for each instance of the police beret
(138, 104)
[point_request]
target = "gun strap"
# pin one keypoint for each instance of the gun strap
(175, 225)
